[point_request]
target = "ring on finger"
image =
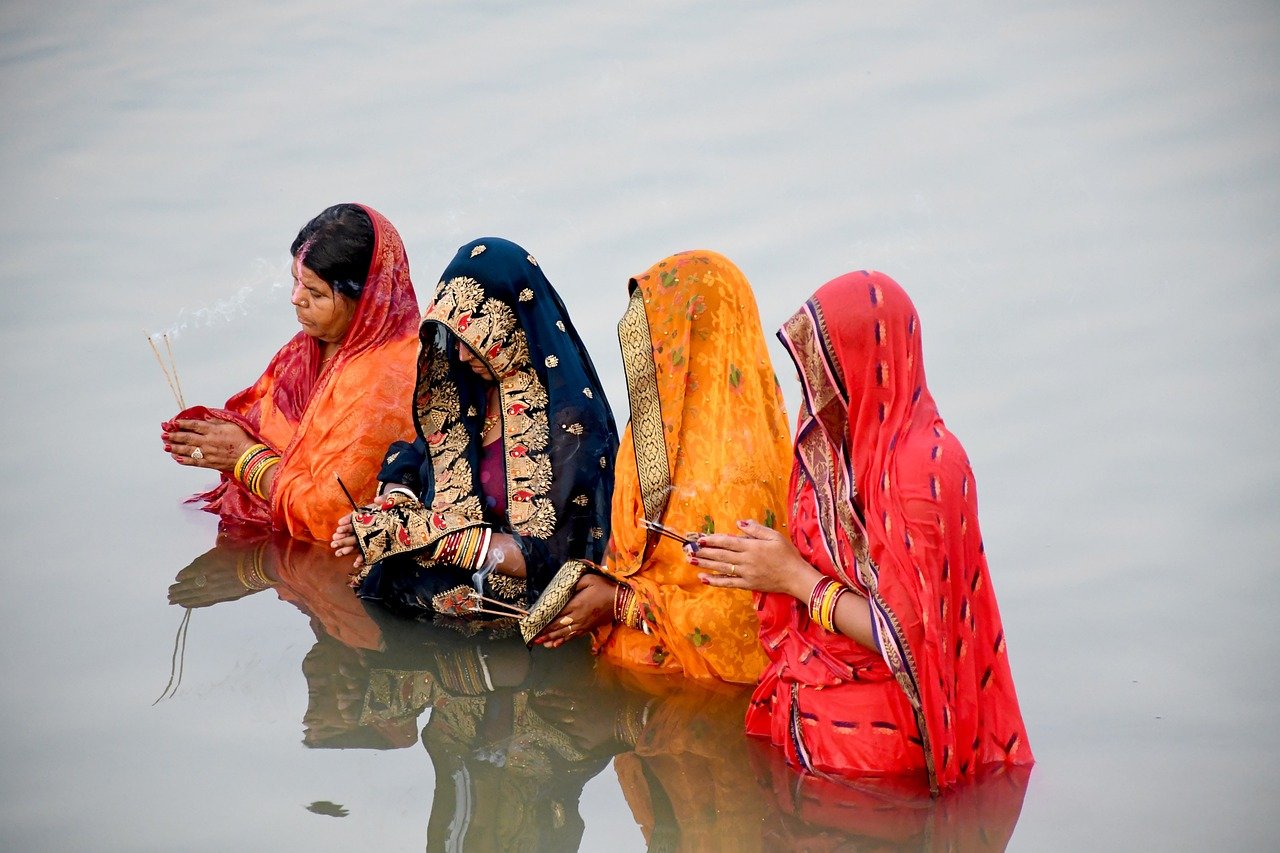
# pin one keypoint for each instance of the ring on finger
(197, 454)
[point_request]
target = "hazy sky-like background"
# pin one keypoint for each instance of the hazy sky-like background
(1082, 198)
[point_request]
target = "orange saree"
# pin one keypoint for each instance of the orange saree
(707, 445)
(335, 420)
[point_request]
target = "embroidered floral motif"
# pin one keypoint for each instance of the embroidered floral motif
(478, 250)
(597, 533)
(586, 392)
(552, 361)
(472, 411)
(533, 260)
(560, 325)
(526, 295)
(581, 500)
(604, 462)
(573, 429)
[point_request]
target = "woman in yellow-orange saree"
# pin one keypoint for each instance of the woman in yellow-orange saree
(707, 444)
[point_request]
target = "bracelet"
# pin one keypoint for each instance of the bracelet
(464, 548)
(245, 458)
(258, 476)
(822, 602)
(626, 607)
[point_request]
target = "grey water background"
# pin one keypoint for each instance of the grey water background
(1082, 198)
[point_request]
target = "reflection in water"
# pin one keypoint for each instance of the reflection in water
(514, 735)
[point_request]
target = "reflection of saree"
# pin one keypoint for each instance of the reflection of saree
(883, 500)
(556, 449)
(707, 445)
(335, 420)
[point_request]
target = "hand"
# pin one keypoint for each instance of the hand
(344, 541)
(590, 607)
(220, 443)
(210, 579)
(759, 559)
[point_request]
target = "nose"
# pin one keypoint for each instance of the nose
(296, 296)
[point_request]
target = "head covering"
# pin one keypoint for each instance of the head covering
(294, 404)
(558, 435)
(870, 438)
(707, 445)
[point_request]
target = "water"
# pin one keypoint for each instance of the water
(1080, 197)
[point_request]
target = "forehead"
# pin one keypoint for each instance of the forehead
(307, 276)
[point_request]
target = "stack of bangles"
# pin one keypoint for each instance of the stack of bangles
(626, 608)
(252, 467)
(464, 548)
(822, 602)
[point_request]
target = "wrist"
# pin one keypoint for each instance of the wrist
(803, 580)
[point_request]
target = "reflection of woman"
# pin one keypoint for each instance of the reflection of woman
(331, 399)
(707, 445)
(886, 652)
(510, 477)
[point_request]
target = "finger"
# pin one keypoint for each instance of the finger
(723, 541)
(723, 581)
(756, 530)
(358, 562)
(715, 555)
(198, 427)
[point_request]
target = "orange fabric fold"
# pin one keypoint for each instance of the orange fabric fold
(708, 445)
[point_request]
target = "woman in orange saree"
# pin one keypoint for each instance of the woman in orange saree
(331, 399)
(706, 445)
(886, 650)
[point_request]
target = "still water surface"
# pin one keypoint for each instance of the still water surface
(1082, 198)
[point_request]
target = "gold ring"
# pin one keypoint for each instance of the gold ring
(567, 620)
(733, 569)
(197, 454)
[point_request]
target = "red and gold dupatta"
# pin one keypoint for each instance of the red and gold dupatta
(336, 420)
(870, 438)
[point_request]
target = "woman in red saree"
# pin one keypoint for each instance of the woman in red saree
(886, 651)
(331, 399)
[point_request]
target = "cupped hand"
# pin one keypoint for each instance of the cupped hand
(760, 559)
(220, 443)
(590, 607)
(344, 541)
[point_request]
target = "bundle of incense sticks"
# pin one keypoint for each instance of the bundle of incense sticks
(505, 609)
(169, 368)
(663, 530)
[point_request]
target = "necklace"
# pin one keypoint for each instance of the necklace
(492, 413)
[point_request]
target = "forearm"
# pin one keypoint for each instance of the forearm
(852, 616)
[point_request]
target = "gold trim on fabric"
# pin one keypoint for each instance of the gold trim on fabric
(489, 327)
(552, 600)
(647, 434)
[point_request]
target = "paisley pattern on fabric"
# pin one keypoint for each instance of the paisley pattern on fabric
(882, 498)
(707, 445)
(555, 426)
(335, 419)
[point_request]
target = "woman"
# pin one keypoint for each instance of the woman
(330, 400)
(886, 652)
(508, 483)
(706, 445)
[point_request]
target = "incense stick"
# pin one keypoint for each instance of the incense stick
(350, 499)
(493, 601)
(173, 365)
(178, 663)
(490, 612)
(173, 389)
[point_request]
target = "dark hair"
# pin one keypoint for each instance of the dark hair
(338, 247)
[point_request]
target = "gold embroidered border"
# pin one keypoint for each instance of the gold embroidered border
(489, 327)
(647, 435)
(552, 600)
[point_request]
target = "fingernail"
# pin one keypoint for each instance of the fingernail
(703, 578)
(742, 523)
(693, 560)
(168, 449)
